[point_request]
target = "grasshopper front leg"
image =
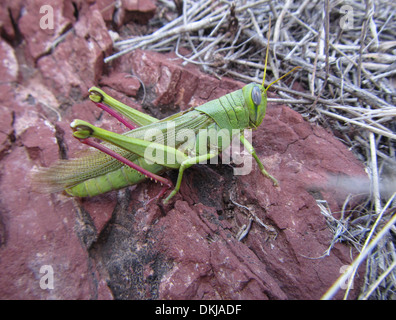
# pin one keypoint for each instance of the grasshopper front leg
(251, 150)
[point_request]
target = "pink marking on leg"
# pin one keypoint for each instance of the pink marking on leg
(115, 115)
(125, 161)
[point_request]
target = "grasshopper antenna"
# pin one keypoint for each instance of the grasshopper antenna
(267, 51)
(292, 70)
(266, 60)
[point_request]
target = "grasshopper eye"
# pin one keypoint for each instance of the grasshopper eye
(256, 95)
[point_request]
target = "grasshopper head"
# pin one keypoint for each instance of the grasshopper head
(256, 95)
(256, 100)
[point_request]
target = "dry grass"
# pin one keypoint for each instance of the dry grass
(347, 51)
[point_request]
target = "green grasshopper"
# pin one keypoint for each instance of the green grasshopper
(124, 160)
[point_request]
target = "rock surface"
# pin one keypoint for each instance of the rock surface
(116, 246)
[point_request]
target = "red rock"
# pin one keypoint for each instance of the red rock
(302, 163)
(39, 32)
(146, 69)
(92, 27)
(6, 130)
(106, 8)
(122, 82)
(139, 5)
(39, 233)
(9, 64)
(39, 230)
(10, 10)
(100, 209)
(173, 85)
(205, 268)
(38, 139)
(77, 62)
(140, 11)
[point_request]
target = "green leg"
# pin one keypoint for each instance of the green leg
(184, 165)
(251, 150)
(84, 130)
(141, 119)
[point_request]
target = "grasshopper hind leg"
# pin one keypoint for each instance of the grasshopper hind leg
(165, 182)
(115, 115)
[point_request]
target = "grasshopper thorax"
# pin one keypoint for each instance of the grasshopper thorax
(256, 103)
